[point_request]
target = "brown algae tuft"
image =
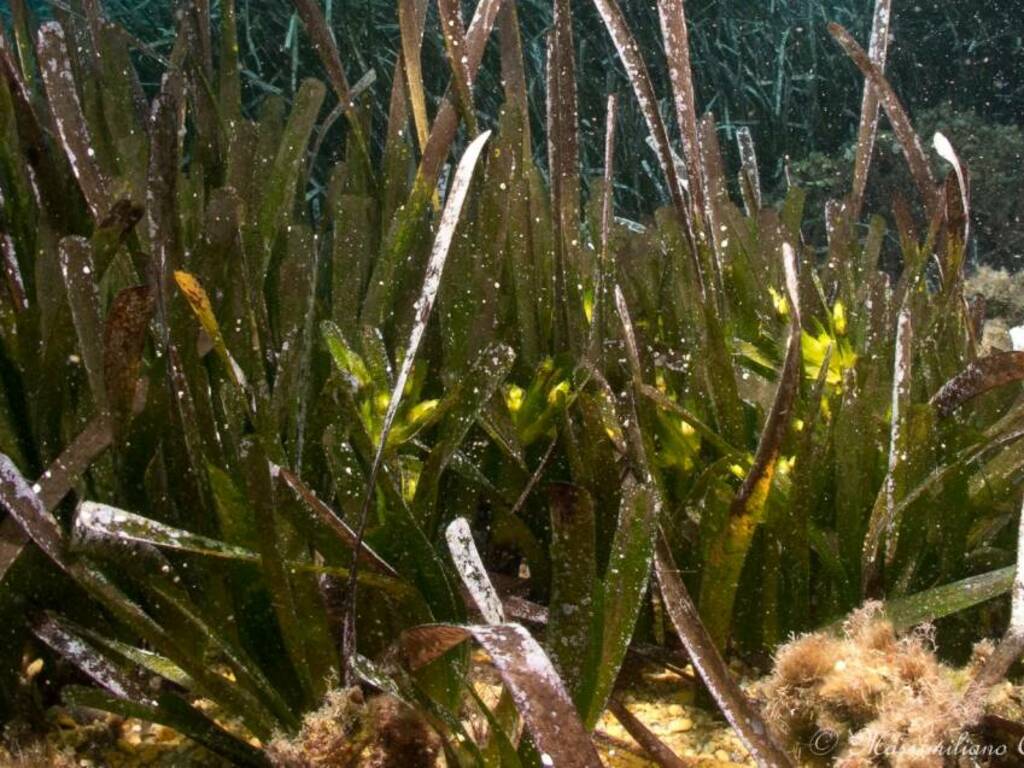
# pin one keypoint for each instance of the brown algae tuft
(867, 697)
(349, 730)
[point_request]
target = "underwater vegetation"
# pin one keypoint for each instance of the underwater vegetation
(767, 66)
(873, 691)
(271, 462)
(992, 152)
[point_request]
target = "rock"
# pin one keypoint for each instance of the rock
(674, 725)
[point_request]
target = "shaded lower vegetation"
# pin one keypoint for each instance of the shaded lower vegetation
(255, 449)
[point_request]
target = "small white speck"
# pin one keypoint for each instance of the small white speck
(1017, 338)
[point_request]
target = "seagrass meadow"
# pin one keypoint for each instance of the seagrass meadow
(340, 430)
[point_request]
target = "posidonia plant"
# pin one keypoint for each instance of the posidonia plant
(254, 450)
(767, 65)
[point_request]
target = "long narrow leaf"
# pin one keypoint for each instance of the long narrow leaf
(80, 281)
(538, 692)
(571, 608)
(606, 274)
(95, 521)
(646, 738)
(403, 230)
(161, 192)
(471, 569)
(987, 373)
(945, 600)
(455, 43)
(175, 713)
(323, 43)
(72, 128)
(326, 523)
(279, 199)
(867, 131)
(946, 152)
(53, 486)
(622, 590)
(629, 53)
(59, 637)
(707, 660)
(563, 159)
(885, 516)
(410, 25)
(677, 49)
(25, 506)
(271, 542)
(908, 138)
(749, 176)
(124, 336)
(728, 551)
(778, 418)
(197, 299)
(424, 305)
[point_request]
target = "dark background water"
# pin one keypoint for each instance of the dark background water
(766, 64)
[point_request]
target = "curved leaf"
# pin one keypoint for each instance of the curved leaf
(94, 520)
(708, 661)
(945, 600)
(913, 150)
(537, 690)
(995, 370)
(62, 639)
(424, 305)
(198, 300)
